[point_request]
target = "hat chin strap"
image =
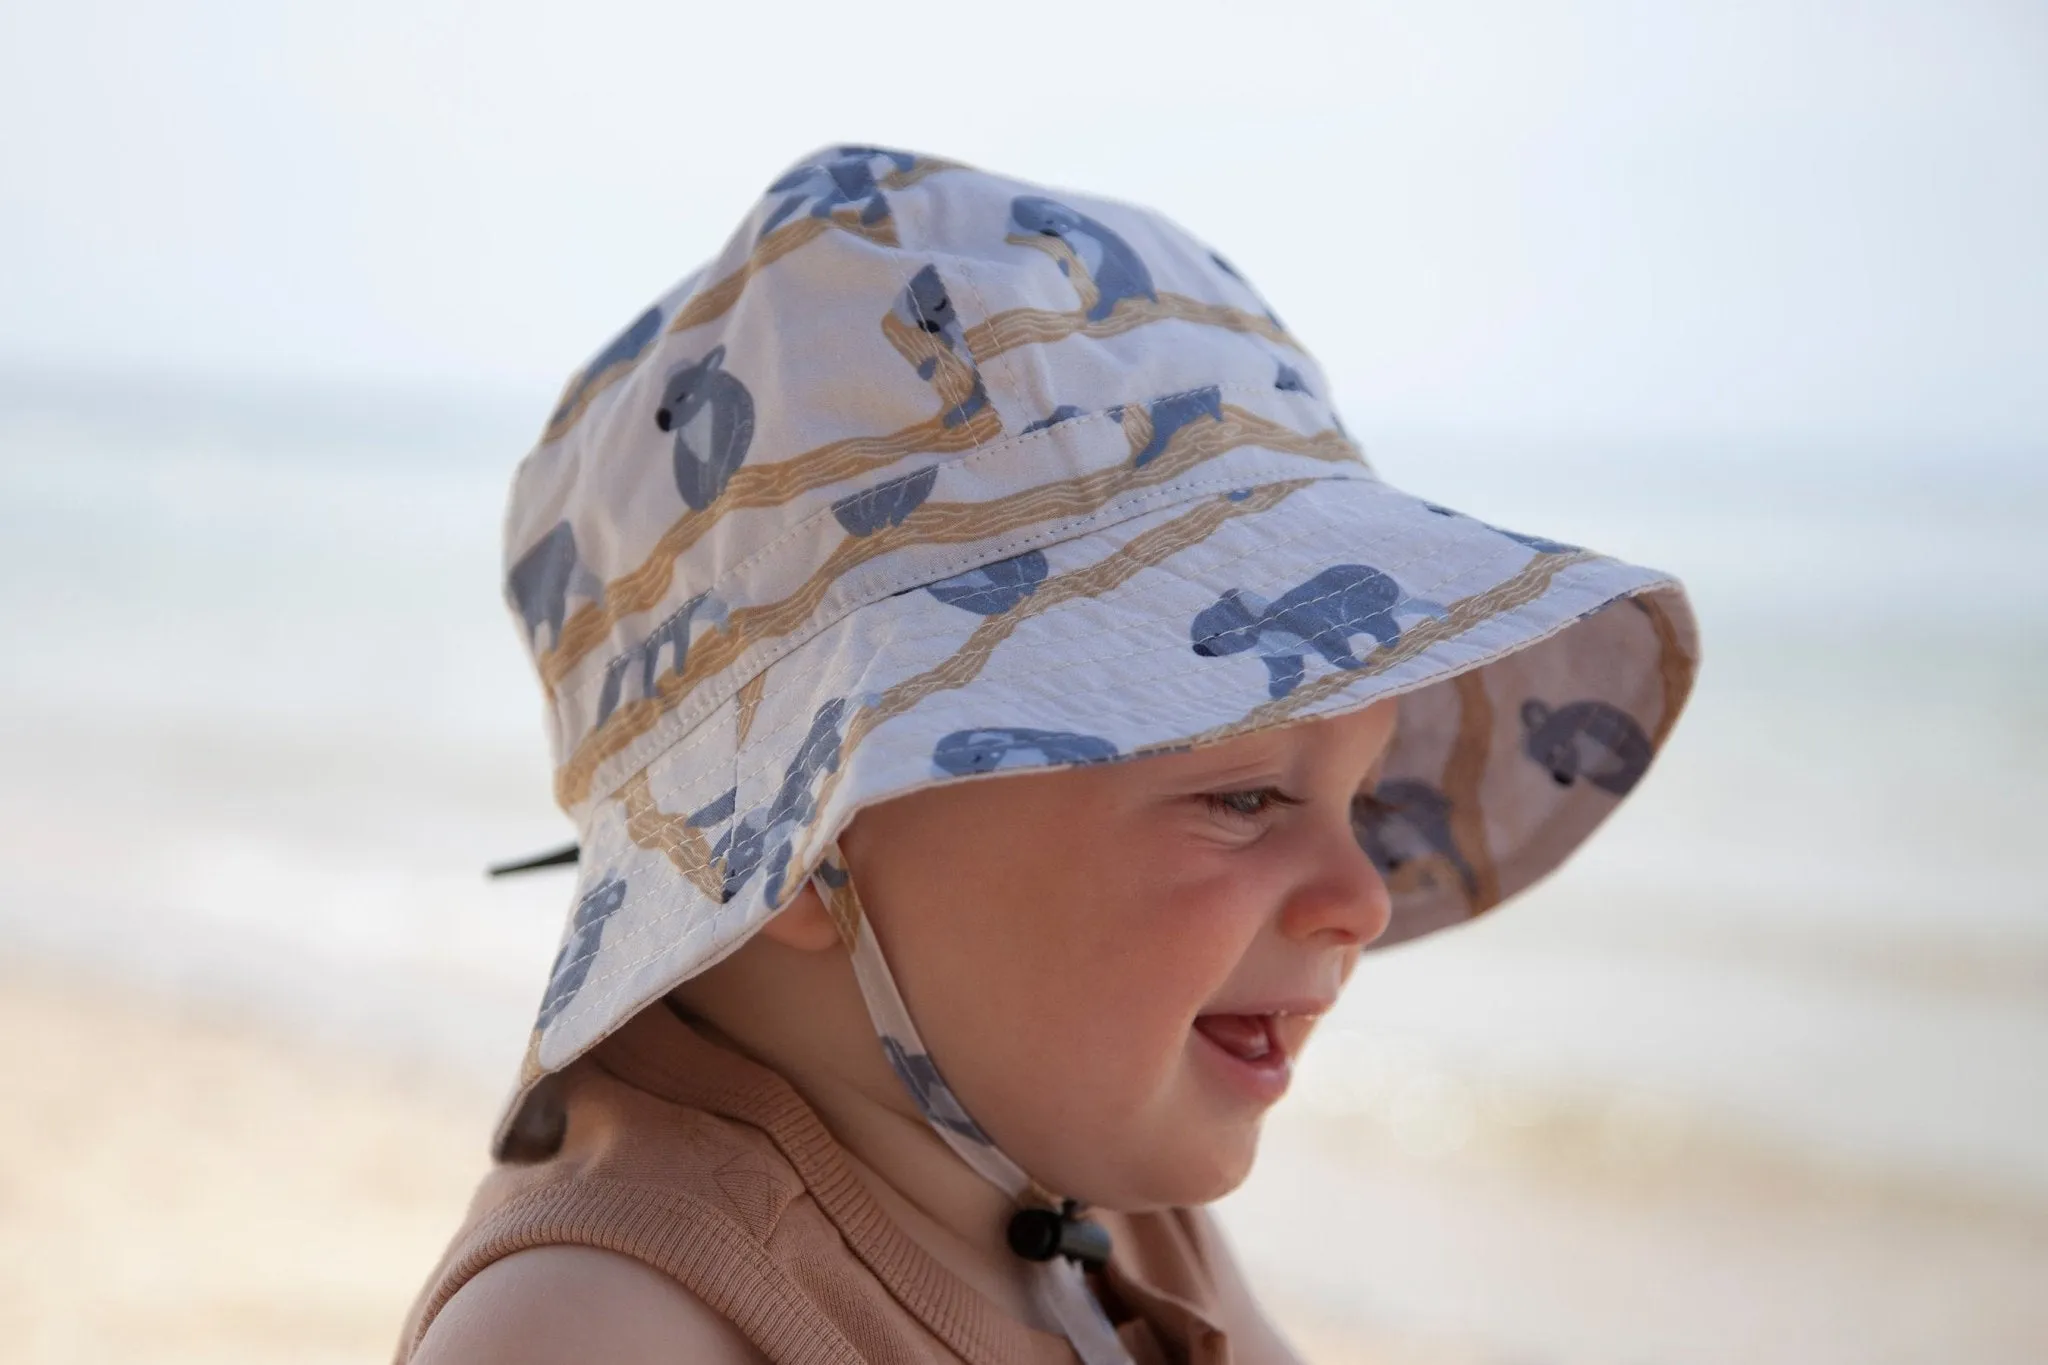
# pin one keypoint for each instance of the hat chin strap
(1046, 1231)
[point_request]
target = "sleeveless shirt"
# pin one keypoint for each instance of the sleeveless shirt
(709, 1167)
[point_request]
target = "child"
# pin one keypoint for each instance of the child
(934, 475)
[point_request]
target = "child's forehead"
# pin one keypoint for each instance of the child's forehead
(1364, 733)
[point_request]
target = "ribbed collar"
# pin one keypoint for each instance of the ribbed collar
(661, 1054)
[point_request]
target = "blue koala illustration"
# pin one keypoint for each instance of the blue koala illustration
(925, 305)
(1116, 269)
(544, 580)
(1409, 820)
(1065, 412)
(993, 589)
(921, 1075)
(886, 504)
(579, 950)
(624, 349)
(1171, 413)
(1586, 739)
(715, 812)
(984, 751)
(764, 835)
(672, 635)
(845, 175)
(1227, 268)
(1542, 545)
(712, 416)
(1321, 615)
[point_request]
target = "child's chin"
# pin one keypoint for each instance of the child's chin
(1196, 1166)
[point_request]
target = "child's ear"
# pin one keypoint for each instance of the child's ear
(803, 924)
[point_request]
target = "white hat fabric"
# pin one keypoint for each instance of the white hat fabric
(934, 474)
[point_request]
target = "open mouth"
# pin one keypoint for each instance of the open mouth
(1253, 1052)
(1251, 1038)
(1248, 1053)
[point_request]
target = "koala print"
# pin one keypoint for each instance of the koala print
(1065, 412)
(1112, 265)
(579, 950)
(1542, 545)
(921, 1076)
(994, 588)
(1405, 829)
(765, 834)
(544, 580)
(1587, 739)
(926, 305)
(845, 176)
(624, 349)
(672, 635)
(984, 751)
(928, 332)
(1321, 615)
(886, 504)
(1171, 413)
(712, 416)
(1227, 268)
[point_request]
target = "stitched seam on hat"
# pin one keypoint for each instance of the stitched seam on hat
(690, 739)
(580, 1009)
(959, 263)
(773, 757)
(594, 985)
(1392, 569)
(800, 720)
(688, 710)
(986, 450)
(1125, 653)
(680, 748)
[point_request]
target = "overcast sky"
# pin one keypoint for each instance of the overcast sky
(1810, 223)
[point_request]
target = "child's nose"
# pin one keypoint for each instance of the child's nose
(1345, 902)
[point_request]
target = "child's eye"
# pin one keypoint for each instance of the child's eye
(1260, 801)
(1248, 805)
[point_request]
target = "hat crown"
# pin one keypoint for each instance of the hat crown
(899, 372)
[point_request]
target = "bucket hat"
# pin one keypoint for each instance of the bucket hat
(935, 475)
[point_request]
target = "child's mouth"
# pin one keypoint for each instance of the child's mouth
(1250, 1050)
(1247, 1037)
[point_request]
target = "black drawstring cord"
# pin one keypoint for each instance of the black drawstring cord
(560, 857)
(1041, 1234)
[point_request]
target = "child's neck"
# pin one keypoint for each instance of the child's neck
(921, 1183)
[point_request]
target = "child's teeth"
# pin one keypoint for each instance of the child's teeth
(1241, 1035)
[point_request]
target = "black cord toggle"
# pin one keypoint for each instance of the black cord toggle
(1041, 1234)
(561, 857)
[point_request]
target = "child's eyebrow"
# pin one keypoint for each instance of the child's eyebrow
(1263, 767)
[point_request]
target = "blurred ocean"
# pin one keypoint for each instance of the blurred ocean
(264, 720)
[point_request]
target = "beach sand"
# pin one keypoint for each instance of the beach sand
(178, 1185)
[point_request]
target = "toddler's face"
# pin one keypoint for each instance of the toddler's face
(1115, 964)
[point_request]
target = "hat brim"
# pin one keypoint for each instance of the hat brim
(1538, 682)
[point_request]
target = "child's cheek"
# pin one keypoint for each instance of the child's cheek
(1193, 948)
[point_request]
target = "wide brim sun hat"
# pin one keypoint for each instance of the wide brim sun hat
(935, 476)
